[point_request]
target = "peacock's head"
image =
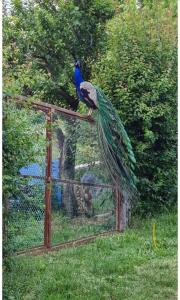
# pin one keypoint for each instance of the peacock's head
(77, 64)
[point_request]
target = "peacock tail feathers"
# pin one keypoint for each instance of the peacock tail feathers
(115, 145)
(114, 142)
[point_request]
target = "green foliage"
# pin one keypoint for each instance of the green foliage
(42, 39)
(23, 142)
(139, 73)
(22, 137)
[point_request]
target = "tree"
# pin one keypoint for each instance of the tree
(41, 41)
(139, 73)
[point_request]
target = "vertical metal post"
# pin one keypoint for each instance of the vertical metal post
(118, 210)
(48, 181)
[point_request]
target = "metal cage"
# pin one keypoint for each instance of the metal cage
(67, 198)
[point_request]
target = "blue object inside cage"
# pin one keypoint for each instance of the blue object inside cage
(36, 170)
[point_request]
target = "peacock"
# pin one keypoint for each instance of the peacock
(115, 145)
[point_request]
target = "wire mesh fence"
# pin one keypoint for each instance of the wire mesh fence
(75, 150)
(94, 212)
(26, 214)
(64, 191)
(26, 207)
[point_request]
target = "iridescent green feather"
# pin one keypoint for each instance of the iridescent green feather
(115, 145)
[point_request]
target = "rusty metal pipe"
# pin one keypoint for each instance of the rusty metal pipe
(48, 181)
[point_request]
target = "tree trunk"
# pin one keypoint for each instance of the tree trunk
(60, 137)
(125, 211)
(67, 146)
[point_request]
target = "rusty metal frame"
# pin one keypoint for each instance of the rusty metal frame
(48, 109)
(70, 181)
(45, 107)
(48, 181)
(38, 250)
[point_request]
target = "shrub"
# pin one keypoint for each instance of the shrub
(139, 73)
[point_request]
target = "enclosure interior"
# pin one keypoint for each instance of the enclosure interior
(81, 192)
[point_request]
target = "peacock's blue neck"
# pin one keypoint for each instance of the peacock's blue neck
(78, 79)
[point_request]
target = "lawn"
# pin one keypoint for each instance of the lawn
(65, 229)
(29, 232)
(124, 266)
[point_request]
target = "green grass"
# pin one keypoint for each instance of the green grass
(27, 233)
(124, 266)
(66, 229)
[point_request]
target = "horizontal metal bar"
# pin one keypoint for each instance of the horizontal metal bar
(46, 106)
(83, 183)
(73, 243)
(35, 248)
(33, 176)
(70, 181)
